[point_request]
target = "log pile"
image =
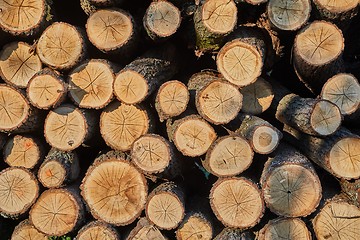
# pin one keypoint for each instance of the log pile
(179, 119)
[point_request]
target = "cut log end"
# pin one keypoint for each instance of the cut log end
(231, 200)
(25, 230)
(121, 125)
(130, 87)
(195, 227)
(285, 228)
(145, 231)
(65, 128)
(325, 118)
(240, 63)
(228, 156)
(288, 16)
(172, 99)
(265, 139)
(219, 102)
(91, 84)
(52, 174)
(337, 6)
(19, 190)
(18, 63)
(97, 231)
(343, 90)
(219, 16)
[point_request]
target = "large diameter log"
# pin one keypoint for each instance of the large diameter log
(61, 46)
(338, 154)
(234, 234)
(25, 230)
(114, 190)
(196, 226)
(18, 63)
(19, 189)
(165, 207)
(144, 230)
(311, 116)
(317, 54)
(290, 185)
(213, 20)
(57, 212)
(231, 200)
(285, 228)
(97, 230)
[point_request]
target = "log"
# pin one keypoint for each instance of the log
(144, 230)
(97, 230)
(46, 89)
(25, 230)
(213, 20)
(61, 46)
(284, 228)
(195, 226)
(191, 135)
(23, 151)
(317, 54)
(351, 189)
(234, 234)
(114, 190)
(161, 20)
(121, 125)
(67, 127)
(57, 212)
(18, 63)
(228, 156)
(19, 189)
(165, 206)
(171, 100)
(231, 200)
(91, 6)
(290, 185)
(58, 169)
(288, 15)
(91, 84)
(338, 154)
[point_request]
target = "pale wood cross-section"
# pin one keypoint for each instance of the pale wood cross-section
(285, 228)
(97, 230)
(144, 230)
(25, 230)
(337, 6)
(195, 227)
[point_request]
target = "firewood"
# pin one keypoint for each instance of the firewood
(19, 190)
(351, 189)
(18, 63)
(25, 230)
(24, 151)
(284, 228)
(59, 168)
(57, 212)
(234, 234)
(144, 230)
(196, 226)
(165, 206)
(61, 46)
(114, 190)
(161, 20)
(228, 156)
(97, 230)
(46, 89)
(290, 185)
(231, 200)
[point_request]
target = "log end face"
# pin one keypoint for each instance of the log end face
(98, 231)
(195, 228)
(265, 139)
(288, 228)
(51, 174)
(337, 6)
(25, 230)
(325, 118)
(130, 87)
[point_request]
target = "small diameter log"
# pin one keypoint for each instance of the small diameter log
(257, 97)
(234, 234)
(61, 46)
(23, 151)
(195, 226)
(165, 206)
(344, 90)
(59, 168)
(311, 116)
(57, 212)
(97, 230)
(46, 89)
(19, 190)
(262, 136)
(228, 156)
(213, 20)
(25, 230)
(91, 84)
(112, 31)
(137, 80)
(237, 202)
(337, 220)
(144, 230)
(121, 125)
(67, 127)
(18, 63)
(171, 100)
(317, 54)
(290, 185)
(285, 228)
(338, 154)
(288, 15)
(161, 19)
(114, 190)
(191, 135)
(16, 114)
